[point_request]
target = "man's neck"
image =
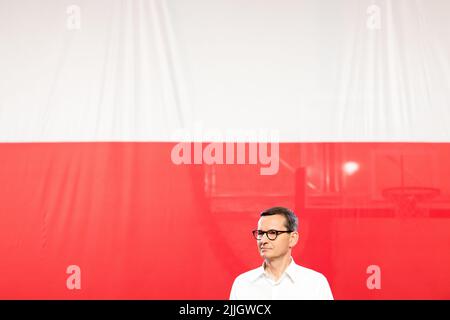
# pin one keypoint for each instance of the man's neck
(276, 267)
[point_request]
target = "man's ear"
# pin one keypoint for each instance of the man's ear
(293, 239)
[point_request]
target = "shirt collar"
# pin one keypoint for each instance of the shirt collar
(290, 271)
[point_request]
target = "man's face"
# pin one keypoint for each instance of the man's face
(271, 249)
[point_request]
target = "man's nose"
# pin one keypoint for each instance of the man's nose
(264, 239)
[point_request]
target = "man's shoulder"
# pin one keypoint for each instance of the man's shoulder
(307, 273)
(315, 281)
(249, 275)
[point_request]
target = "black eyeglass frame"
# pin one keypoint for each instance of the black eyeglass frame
(261, 233)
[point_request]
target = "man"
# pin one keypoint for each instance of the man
(279, 277)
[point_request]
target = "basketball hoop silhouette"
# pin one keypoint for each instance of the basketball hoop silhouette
(406, 199)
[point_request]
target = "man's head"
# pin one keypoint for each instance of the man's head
(277, 232)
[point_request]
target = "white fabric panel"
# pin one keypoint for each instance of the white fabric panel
(312, 70)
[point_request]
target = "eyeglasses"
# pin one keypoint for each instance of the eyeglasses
(271, 234)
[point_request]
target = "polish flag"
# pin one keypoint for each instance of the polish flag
(139, 140)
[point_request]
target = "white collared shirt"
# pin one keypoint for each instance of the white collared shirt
(296, 283)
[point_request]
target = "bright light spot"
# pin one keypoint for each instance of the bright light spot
(350, 167)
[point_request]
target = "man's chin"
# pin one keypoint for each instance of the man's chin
(265, 254)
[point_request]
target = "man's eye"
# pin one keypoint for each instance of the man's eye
(272, 232)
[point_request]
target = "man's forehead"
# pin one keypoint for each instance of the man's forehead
(274, 221)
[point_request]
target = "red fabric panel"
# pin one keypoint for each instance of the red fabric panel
(141, 227)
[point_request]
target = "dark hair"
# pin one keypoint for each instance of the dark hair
(291, 219)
